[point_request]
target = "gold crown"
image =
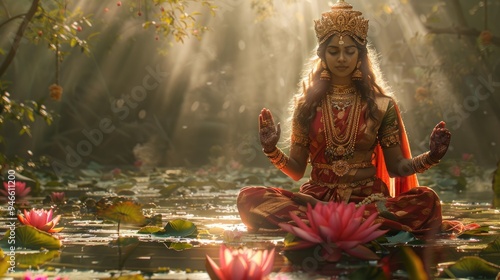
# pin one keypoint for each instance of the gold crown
(341, 20)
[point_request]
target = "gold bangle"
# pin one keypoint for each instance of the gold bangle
(273, 153)
(422, 162)
(278, 158)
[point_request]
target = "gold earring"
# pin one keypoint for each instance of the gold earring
(325, 74)
(357, 75)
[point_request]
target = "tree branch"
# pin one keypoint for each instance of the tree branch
(19, 35)
(11, 19)
(461, 31)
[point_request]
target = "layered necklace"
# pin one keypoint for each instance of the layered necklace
(340, 146)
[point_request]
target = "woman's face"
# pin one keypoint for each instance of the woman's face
(341, 58)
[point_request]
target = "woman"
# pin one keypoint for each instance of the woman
(352, 134)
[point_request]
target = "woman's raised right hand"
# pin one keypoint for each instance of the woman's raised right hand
(268, 131)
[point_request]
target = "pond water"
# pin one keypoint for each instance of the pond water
(210, 205)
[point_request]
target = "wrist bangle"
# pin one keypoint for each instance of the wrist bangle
(422, 162)
(278, 158)
(272, 153)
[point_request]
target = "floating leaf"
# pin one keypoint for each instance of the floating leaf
(151, 229)
(168, 190)
(472, 267)
(32, 238)
(401, 237)
(181, 228)
(35, 260)
(180, 246)
(492, 252)
(476, 231)
(126, 212)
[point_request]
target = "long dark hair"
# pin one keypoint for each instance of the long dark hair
(313, 89)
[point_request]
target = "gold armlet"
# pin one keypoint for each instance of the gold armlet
(278, 158)
(422, 162)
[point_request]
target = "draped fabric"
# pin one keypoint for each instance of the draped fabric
(398, 185)
(403, 206)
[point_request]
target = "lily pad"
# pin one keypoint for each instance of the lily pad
(181, 228)
(32, 238)
(180, 246)
(168, 190)
(402, 237)
(151, 229)
(492, 252)
(472, 267)
(35, 260)
(126, 212)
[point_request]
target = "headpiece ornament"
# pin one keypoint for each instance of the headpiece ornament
(341, 20)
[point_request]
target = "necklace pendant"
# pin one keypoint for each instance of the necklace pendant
(339, 151)
(340, 167)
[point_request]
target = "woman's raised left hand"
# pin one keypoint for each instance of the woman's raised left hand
(439, 142)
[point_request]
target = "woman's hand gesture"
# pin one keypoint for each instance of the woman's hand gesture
(439, 142)
(268, 131)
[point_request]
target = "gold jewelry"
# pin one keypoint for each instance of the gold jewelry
(325, 74)
(342, 167)
(422, 162)
(343, 89)
(341, 20)
(278, 158)
(339, 146)
(357, 75)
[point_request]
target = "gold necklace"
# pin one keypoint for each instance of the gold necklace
(340, 147)
(342, 89)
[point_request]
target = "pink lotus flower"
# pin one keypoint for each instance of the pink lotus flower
(57, 197)
(337, 227)
(241, 264)
(20, 190)
(40, 219)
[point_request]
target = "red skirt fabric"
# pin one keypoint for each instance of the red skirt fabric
(417, 210)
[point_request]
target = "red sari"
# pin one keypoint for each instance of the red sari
(401, 205)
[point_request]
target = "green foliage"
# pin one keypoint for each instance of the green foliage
(35, 260)
(22, 113)
(172, 18)
(58, 26)
(472, 267)
(150, 230)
